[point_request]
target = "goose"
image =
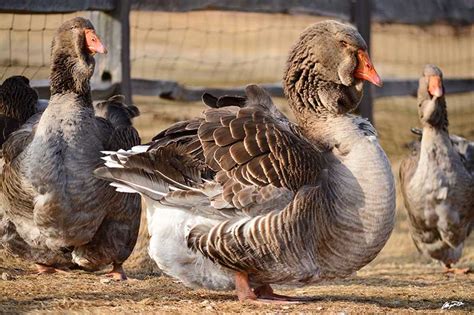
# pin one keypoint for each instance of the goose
(437, 179)
(241, 198)
(57, 214)
(18, 102)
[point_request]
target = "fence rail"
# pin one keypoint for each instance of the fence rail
(419, 12)
(114, 25)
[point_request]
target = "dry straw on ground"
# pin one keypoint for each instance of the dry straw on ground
(398, 280)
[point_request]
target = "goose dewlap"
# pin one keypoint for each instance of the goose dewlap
(365, 69)
(94, 45)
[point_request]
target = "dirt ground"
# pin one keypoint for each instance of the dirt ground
(398, 280)
(381, 288)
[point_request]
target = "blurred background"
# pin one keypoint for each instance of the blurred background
(164, 54)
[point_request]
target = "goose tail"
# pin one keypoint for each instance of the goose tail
(125, 171)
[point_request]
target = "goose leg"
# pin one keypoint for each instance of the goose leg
(117, 273)
(242, 286)
(45, 269)
(261, 294)
(266, 292)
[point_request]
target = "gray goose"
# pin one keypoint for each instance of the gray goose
(57, 214)
(437, 179)
(243, 198)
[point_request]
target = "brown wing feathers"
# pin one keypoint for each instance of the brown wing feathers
(246, 147)
(254, 149)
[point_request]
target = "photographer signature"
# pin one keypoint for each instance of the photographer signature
(449, 305)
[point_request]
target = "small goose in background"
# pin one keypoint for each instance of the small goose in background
(437, 179)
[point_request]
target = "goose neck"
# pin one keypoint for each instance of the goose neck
(71, 73)
(361, 190)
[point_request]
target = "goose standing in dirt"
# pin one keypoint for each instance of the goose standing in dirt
(437, 179)
(57, 214)
(243, 198)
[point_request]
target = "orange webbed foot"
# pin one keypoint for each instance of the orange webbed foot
(45, 269)
(457, 271)
(262, 294)
(117, 273)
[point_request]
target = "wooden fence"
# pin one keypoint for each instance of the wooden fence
(111, 18)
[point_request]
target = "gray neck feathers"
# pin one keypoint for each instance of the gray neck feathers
(361, 193)
(71, 70)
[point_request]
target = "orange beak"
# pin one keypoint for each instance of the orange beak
(93, 43)
(365, 70)
(435, 85)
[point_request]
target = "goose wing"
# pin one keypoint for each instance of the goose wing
(19, 139)
(236, 160)
(465, 149)
(7, 126)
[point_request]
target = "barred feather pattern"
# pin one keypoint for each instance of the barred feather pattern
(281, 217)
(284, 203)
(330, 228)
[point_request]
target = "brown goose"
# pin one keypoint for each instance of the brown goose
(437, 179)
(18, 102)
(59, 215)
(244, 198)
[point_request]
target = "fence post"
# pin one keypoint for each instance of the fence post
(114, 29)
(361, 17)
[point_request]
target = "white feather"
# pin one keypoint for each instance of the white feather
(168, 228)
(122, 188)
(139, 148)
(111, 164)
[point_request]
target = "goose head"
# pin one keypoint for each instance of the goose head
(17, 98)
(326, 69)
(72, 56)
(431, 102)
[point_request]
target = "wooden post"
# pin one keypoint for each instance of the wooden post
(361, 11)
(114, 29)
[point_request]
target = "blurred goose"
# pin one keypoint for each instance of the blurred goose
(437, 179)
(57, 214)
(18, 102)
(243, 198)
